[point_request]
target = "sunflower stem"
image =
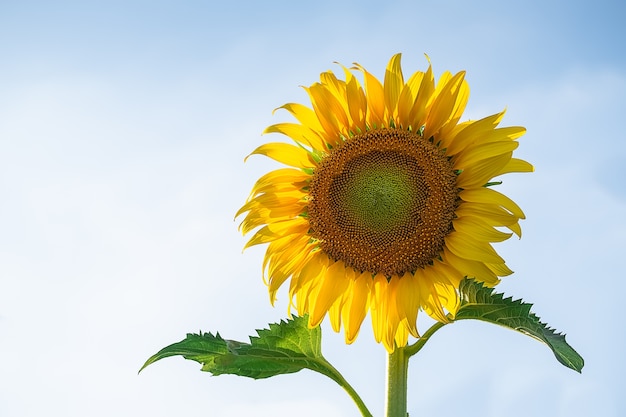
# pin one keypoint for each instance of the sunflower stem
(417, 346)
(336, 376)
(356, 398)
(397, 377)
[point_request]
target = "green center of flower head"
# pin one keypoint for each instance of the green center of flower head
(383, 202)
(377, 191)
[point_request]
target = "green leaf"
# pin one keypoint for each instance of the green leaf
(482, 303)
(284, 348)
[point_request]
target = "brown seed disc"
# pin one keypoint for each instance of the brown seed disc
(383, 202)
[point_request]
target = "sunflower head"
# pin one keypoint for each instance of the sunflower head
(385, 202)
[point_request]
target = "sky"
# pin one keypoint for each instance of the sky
(123, 129)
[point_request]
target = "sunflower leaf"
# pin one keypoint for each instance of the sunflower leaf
(482, 303)
(286, 347)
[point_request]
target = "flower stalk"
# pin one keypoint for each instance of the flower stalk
(397, 378)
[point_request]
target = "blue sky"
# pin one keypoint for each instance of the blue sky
(123, 128)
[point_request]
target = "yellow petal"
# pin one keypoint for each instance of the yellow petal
(283, 188)
(332, 284)
(329, 111)
(259, 215)
(500, 269)
(481, 172)
(467, 247)
(375, 95)
(393, 319)
(272, 200)
(378, 306)
(515, 228)
(281, 175)
(356, 305)
(394, 81)
(307, 293)
(338, 88)
(472, 132)
(446, 104)
(407, 99)
(303, 296)
(417, 116)
(299, 133)
(334, 313)
(305, 115)
(335, 86)
(286, 154)
(258, 218)
(402, 335)
(315, 266)
(414, 83)
(490, 196)
(428, 293)
(408, 301)
(357, 102)
(473, 154)
(291, 262)
(278, 230)
(280, 251)
(479, 229)
(457, 111)
(445, 278)
(491, 213)
(516, 165)
(510, 132)
(469, 268)
(335, 310)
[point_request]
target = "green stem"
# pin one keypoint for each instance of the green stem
(398, 373)
(397, 377)
(417, 346)
(357, 399)
(336, 376)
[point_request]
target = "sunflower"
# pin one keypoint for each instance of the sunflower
(386, 202)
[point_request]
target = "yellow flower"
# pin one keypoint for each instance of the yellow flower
(387, 202)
